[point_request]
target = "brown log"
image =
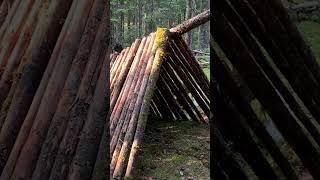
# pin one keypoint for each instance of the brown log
(120, 65)
(280, 47)
(123, 74)
(181, 62)
(199, 74)
(162, 105)
(163, 86)
(275, 76)
(242, 97)
(39, 51)
(4, 8)
(78, 113)
(286, 121)
(136, 108)
(193, 112)
(129, 84)
(11, 35)
(133, 119)
(117, 114)
(8, 20)
(15, 48)
(295, 36)
(68, 97)
(101, 168)
(142, 121)
(204, 104)
(29, 152)
(86, 153)
(129, 106)
(232, 162)
(190, 24)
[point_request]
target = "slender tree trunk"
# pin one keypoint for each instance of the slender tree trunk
(190, 11)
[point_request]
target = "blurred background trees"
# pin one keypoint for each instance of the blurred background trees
(134, 18)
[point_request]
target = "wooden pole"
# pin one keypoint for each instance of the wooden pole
(191, 23)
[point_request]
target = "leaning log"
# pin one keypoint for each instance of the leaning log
(38, 54)
(68, 97)
(31, 148)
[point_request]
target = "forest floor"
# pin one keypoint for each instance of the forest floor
(180, 149)
(174, 150)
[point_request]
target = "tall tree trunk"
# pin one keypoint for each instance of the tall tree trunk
(139, 18)
(190, 8)
(121, 25)
(201, 28)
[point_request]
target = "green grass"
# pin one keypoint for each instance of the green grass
(311, 32)
(206, 71)
(174, 150)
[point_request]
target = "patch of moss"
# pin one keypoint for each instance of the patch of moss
(161, 40)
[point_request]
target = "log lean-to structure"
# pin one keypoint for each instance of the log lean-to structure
(158, 73)
(267, 94)
(54, 89)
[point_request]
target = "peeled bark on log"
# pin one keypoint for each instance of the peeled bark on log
(8, 20)
(60, 118)
(32, 146)
(14, 52)
(120, 162)
(78, 115)
(123, 74)
(4, 8)
(116, 69)
(101, 168)
(119, 114)
(38, 54)
(143, 115)
(136, 109)
(129, 84)
(13, 31)
(129, 105)
(86, 153)
(121, 62)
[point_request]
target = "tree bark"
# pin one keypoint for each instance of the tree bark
(39, 51)
(191, 23)
(30, 151)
